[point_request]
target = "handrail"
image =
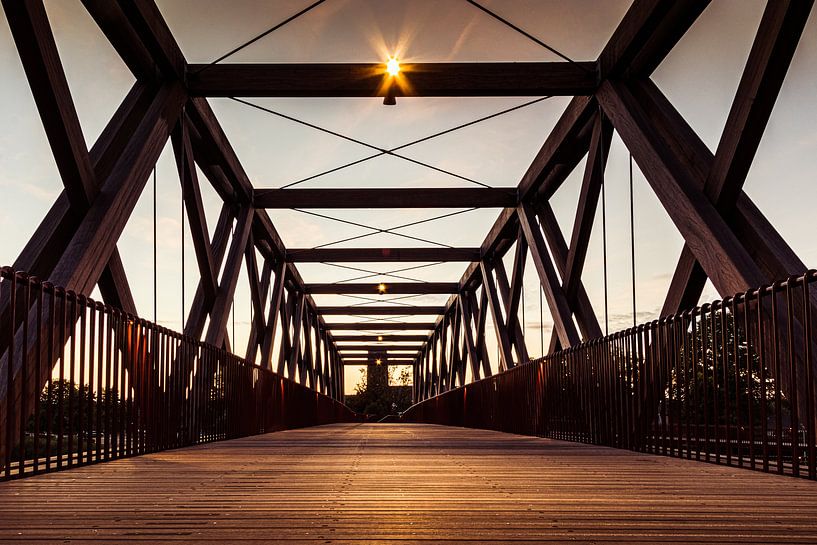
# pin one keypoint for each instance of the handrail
(730, 382)
(88, 383)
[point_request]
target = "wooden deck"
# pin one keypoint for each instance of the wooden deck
(405, 484)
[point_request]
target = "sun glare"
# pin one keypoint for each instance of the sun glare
(392, 66)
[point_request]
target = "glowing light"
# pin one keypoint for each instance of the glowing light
(381, 288)
(380, 337)
(378, 361)
(392, 66)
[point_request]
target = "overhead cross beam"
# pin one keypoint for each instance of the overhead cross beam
(727, 238)
(362, 310)
(361, 255)
(380, 325)
(378, 348)
(379, 338)
(454, 197)
(415, 80)
(385, 361)
(392, 288)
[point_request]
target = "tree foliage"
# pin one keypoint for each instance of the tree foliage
(373, 395)
(720, 377)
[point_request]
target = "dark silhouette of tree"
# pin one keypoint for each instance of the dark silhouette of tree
(373, 395)
(718, 377)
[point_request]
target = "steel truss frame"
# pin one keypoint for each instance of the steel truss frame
(728, 240)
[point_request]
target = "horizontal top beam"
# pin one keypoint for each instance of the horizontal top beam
(414, 80)
(379, 348)
(362, 310)
(359, 255)
(384, 326)
(387, 361)
(392, 288)
(379, 338)
(436, 197)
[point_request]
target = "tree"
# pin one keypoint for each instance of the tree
(718, 379)
(373, 395)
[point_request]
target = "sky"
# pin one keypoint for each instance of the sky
(699, 76)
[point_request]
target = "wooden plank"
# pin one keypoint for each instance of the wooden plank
(364, 310)
(415, 79)
(392, 288)
(358, 255)
(436, 197)
(391, 483)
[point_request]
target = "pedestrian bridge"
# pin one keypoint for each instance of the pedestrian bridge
(406, 483)
(697, 426)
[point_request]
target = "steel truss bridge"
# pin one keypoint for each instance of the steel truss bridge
(168, 435)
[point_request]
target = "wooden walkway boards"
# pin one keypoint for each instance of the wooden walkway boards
(403, 483)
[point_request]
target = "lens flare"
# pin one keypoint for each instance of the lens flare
(392, 66)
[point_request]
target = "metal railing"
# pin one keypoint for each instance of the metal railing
(100, 384)
(731, 382)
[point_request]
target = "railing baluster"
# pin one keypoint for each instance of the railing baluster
(696, 384)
